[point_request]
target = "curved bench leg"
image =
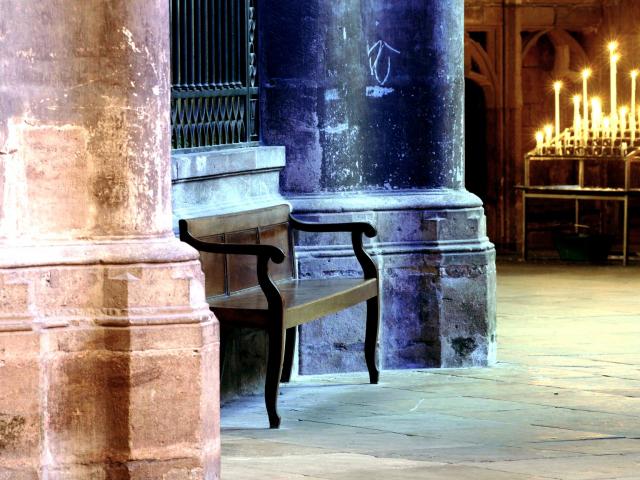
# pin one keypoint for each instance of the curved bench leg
(274, 372)
(289, 352)
(371, 338)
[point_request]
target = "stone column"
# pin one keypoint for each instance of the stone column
(368, 97)
(513, 102)
(108, 353)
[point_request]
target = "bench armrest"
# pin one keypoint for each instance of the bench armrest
(274, 254)
(353, 227)
(357, 229)
(264, 254)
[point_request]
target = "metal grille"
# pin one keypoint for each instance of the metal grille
(214, 93)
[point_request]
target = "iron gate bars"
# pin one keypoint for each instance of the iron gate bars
(214, 93)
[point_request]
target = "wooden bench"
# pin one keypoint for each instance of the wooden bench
(249, 284)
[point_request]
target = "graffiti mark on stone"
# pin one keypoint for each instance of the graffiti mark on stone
(380, 54)
(378, 91)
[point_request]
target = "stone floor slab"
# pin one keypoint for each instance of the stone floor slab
(562, 403)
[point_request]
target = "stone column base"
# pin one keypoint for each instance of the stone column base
(108, 364)
(438, 280)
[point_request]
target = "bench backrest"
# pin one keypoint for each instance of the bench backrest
(225, 274)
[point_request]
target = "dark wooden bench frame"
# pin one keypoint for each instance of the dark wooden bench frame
(281, 335)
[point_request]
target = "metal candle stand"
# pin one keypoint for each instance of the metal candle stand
(569, 147)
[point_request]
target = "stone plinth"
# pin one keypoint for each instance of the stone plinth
(227, 180)
(100, 375)
(108, 352)
(368, 98)
(438, 281)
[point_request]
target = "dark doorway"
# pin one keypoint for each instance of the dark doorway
(476, 177)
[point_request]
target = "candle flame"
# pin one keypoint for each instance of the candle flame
(591, 127)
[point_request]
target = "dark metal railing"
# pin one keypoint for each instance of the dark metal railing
(214, 93)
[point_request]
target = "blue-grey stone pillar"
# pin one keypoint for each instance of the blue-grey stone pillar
(368, 98)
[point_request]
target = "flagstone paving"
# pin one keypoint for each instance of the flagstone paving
(562, 403)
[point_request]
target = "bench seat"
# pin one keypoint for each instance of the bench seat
(304, 300)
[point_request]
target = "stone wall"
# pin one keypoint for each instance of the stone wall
(382, 144)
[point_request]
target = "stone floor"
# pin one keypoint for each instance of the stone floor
(563, 403)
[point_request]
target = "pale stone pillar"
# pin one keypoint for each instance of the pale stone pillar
(108, 352)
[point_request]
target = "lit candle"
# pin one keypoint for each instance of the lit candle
(624, 111)
(557, 86)
(596, 115)
(586, 73)
(606, 127)
(634, 80)
(539, 142)
(615, 57)
(577, 99)
(548, 134)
